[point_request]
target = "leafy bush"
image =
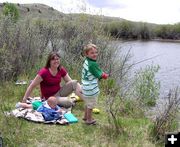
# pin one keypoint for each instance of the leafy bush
(21, 46)
(11, 10)
(166, 119)
(146, 88)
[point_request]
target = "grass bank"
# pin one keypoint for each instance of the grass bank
(19, 132)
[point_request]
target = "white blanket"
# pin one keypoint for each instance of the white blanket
(33, 115)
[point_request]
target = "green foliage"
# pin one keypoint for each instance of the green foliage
(145, 31)
(23, 50)
(130, 108)
(19, 132)
(116, 28)
(146, 88)
(11, 10)
(120, 29)
(118, 107)
(22, 46)
(75, 34)
(164, 32)
(110, 87)
(129, 30)
(168, 31)
(167, 118)
(141, 30)
(157, 130)
(5, 65)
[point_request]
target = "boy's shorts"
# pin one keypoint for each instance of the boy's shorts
(36, 104)
(90, 102)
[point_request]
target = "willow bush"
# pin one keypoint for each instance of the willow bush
(166, 119)
(78, 33)
(11, 10)
(22, 45)
(146, 87)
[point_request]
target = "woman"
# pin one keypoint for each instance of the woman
(49, 79)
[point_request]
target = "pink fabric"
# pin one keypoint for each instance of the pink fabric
(50, 84)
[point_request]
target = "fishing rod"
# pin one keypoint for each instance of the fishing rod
(132, 65)
(170, 70)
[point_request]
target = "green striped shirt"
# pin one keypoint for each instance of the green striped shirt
(91, 73)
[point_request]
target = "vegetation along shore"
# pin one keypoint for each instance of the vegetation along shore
(28, 32)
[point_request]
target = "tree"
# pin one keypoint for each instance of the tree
(11, 10)
(144, 31)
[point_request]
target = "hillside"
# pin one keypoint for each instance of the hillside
(37, 11)
(100, 17)
(118, 27)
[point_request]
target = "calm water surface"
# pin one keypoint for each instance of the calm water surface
(164, 54)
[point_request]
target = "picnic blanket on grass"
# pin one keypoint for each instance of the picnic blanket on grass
(35, 116)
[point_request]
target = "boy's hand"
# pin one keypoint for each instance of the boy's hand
(105, 75)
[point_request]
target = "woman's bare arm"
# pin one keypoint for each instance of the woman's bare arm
(67, 78)
(37, 80)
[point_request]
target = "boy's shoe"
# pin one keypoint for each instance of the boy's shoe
(96, 111)
(92, 122)
(84, 119)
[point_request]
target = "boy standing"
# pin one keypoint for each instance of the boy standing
(91, 73)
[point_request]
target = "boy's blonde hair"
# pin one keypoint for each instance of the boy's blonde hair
(88, 47)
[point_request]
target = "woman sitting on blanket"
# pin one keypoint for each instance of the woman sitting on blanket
(49, 108)
(49, 79)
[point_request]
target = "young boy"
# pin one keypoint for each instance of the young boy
(91, 73)
(49, 109)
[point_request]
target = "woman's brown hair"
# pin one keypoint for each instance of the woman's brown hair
(51, 56)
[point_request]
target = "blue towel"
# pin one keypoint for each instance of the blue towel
(49, 114)
(71, 118)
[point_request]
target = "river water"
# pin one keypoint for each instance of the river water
(164, 54)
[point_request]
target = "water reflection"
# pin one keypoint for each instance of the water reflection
(164, 54)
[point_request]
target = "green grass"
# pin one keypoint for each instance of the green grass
(19, 132)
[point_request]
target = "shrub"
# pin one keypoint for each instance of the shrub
(166, 118)
(10, 9)
(146, 88)
(21, 46)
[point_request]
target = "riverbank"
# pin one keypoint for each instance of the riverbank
(157, 39)
(25, 133)
(166, 40)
